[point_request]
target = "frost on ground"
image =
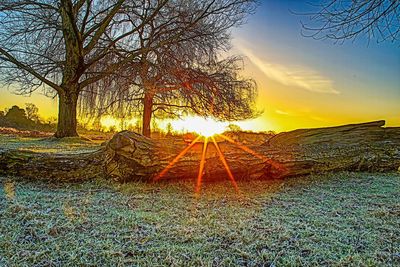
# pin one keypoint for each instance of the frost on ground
(342, 219)
(48, 144)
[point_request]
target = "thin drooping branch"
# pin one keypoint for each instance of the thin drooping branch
(342, 20)
(87, 48)
(8, 57)
(180, 67)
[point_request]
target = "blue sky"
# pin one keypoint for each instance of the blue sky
(317, 82)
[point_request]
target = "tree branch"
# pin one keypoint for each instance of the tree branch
(28, 69)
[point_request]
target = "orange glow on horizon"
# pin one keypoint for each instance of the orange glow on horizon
(203, 126)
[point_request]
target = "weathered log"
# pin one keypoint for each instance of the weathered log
(51, 166)
(129, 156)
(355, 147)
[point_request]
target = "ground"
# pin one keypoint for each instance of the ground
(48, 144)
(337, 219)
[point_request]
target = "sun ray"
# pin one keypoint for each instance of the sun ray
(176, 159)
(201, 169)
(223, 160)
(243, 147)
(251, 151)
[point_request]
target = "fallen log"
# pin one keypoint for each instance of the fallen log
(355, 147)
(132, 157)
(51, 166)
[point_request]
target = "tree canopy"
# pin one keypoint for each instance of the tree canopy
(78, 48)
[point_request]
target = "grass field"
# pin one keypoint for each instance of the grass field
(344, 219)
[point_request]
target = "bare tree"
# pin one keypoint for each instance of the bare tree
(341, 20)
(214, 89)
(185, 76)
(32, 112)
(68, 47)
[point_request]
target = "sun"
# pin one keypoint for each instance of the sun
(206, 127)
(208, 130)
(107, 122)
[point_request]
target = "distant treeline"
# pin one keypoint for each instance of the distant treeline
(26, 119)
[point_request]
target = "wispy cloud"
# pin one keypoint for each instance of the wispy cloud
(298, 76)
(281, 112)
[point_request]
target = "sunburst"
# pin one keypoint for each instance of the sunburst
(223, 160)
(176, 159)
(201, 168)
(221, 157)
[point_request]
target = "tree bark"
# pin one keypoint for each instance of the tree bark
(129, 156)
(358, 147)
(52, 167)
(67, 121)
(147, 113)
(73, 70)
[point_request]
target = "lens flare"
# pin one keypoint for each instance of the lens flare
(243, 147)
(221, 156)
(204, 126)
(223, 160)
(201, 169)
(176, 159)
(252, 152)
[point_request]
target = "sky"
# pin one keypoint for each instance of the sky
(305, 82)
(302, 82)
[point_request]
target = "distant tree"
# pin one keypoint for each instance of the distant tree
(51, 120)
(1, 113)
(16, 114)
(234, 128)
(32, 112)
(341, 20)
(169, 128)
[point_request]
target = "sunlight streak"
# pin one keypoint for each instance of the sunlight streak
(252, 152)
(201, 169)
(176, 159)
(223, 160)
(243, 147)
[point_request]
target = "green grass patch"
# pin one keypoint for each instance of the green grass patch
(343, 219)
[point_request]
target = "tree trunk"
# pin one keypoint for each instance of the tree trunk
(130, 156)
(67, 121)
(147, 112)
(359, 147)
(72, 71)
(53, 167)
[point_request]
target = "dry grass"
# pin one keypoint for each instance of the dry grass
(332, 220)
